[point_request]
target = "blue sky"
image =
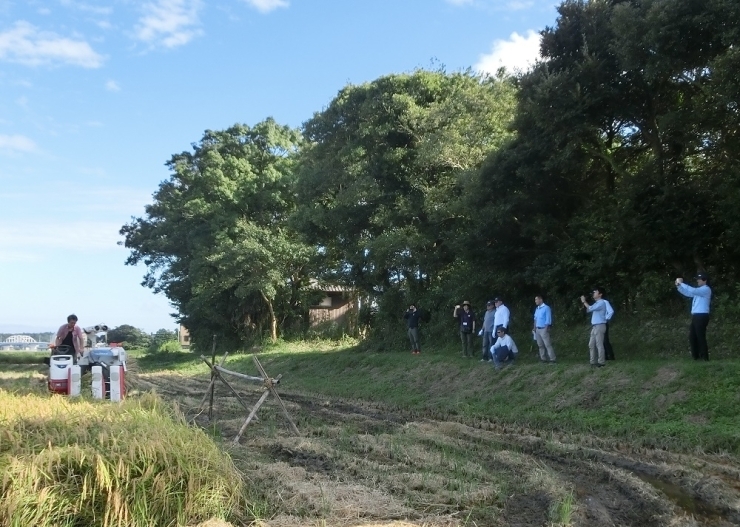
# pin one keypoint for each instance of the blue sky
(95, 96)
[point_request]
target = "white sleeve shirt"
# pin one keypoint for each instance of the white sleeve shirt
(501, 317)
(507, 341)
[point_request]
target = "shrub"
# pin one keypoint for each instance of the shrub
(171, 346)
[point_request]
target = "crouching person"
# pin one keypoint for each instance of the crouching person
(504, 349)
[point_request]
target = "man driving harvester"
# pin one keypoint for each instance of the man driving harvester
(70, 334)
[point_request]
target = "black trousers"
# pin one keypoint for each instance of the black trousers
(698, 336)
(608, 350)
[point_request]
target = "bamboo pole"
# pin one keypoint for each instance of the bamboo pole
(241, 375)
(251, 415)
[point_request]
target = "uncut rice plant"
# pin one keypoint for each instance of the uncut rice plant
(75, 463)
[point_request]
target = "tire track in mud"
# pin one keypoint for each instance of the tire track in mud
(710, 496)
(613, 484)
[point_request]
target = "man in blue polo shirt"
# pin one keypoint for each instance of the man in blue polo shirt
(701, 296)
(541, 329)
(598, 327)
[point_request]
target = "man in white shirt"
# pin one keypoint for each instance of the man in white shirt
(504, 349)
(502, 315)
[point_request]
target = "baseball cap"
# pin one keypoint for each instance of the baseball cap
(702, 276)
(490, 302)
(498, 299)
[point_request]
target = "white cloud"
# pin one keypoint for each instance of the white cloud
(519, 53)
(169, 23)
(265, 6)
(460, 2)
(26, 44)
(112, 85)
(17, 143)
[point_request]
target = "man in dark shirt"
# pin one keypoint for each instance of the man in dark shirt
(412, 317)
(70, 335)
(466, 319)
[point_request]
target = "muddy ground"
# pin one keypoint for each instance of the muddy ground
(356, 463)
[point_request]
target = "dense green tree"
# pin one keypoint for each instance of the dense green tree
(216, 240)
(614, 173)
(129, 334)
(388, 160)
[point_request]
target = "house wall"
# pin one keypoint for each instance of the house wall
(333, 308)
(183, 336)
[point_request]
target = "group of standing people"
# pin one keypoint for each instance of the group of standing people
(498, 346)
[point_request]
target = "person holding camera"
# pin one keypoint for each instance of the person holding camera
(466, 320)
(701, 296)
(412, 317)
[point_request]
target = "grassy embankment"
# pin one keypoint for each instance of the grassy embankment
(652, 395)
(85, 462)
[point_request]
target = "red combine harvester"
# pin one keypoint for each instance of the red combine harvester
(106, 362)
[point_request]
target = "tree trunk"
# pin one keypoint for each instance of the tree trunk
(273, 320)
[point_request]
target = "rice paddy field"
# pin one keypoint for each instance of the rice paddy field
(384, 439)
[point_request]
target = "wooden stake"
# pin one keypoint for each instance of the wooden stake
(233, 391)
(213, 381)
(251, 415)
(272, 389)
(218, 372)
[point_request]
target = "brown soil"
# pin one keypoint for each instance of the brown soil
(359, 463)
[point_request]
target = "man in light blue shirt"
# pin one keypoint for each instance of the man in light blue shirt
(598, 327)
(541, 330)
(701, 298)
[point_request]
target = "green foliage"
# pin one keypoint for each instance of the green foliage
(170, 346)
(381, 183)
(133, 337)
(216, 240)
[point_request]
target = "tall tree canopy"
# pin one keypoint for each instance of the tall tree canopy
(381, 181)
(625, 162)
(216, 240)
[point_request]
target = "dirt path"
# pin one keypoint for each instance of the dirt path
(358, 463)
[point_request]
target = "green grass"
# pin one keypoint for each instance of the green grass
(23, 357)
(653, 395)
